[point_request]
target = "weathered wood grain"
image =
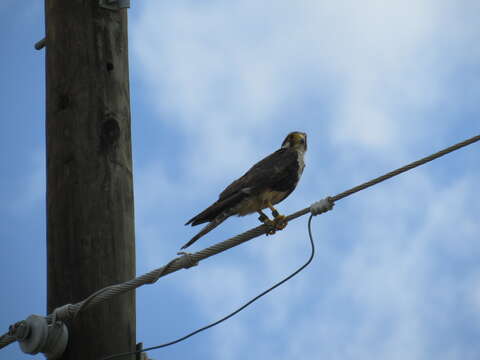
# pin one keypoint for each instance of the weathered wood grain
(90, 221)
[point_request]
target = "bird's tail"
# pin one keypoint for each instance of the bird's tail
(209, 227)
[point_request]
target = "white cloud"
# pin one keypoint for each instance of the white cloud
(230, 69)
(230, 75)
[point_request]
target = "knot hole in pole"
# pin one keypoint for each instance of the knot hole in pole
(109, 134)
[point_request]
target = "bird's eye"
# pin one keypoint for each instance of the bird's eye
(302, 141)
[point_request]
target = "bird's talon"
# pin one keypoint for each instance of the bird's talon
(280, 222)
(275, 213)
(271, 231)
(271, 224)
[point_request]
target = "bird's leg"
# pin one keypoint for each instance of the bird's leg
(265, 219)
(279, 220)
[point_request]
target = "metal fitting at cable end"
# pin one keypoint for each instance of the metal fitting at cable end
(322, 206)
(36, 334)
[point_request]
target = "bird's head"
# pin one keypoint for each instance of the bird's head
(296, 140)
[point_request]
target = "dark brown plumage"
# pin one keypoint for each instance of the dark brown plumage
(267, 183)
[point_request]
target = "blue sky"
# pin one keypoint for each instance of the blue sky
(215, 86)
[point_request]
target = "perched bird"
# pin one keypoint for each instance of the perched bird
(266, 183)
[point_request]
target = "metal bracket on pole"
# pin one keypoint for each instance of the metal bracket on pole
(114, 4)
(106, 4)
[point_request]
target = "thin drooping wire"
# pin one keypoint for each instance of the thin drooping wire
(312, 254)
(108, 292)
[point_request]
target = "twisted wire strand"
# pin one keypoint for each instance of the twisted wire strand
(6, 340)
(392, 173)
(186, 261)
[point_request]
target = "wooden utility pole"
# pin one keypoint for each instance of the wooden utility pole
(90, 224)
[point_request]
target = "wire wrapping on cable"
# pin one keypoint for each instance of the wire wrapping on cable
(322, 206)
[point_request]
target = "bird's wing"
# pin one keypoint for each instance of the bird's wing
(217, 208)
(275, 172)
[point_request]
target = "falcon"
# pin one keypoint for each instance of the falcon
(267, 183)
